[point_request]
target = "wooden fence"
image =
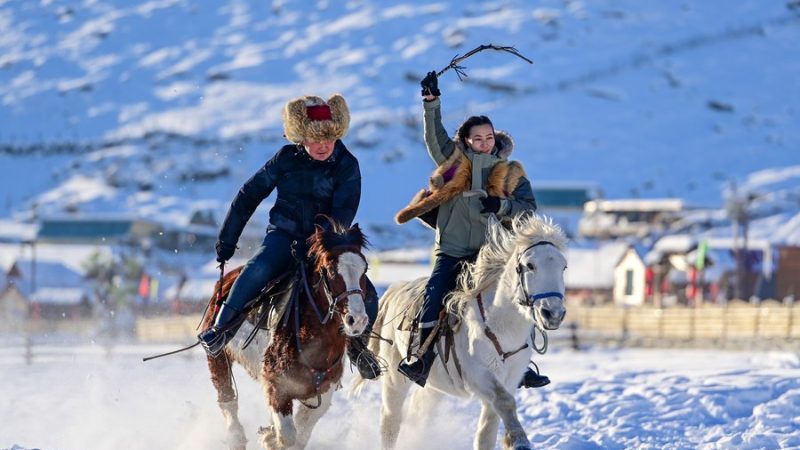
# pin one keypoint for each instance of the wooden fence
(167, 329)
(734, 323)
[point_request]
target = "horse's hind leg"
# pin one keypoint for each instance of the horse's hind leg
(220, 369)
(488, 423)
(306, 418)
(395, 389)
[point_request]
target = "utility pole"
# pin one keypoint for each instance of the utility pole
(737, 211)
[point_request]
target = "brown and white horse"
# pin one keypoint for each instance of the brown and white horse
(302, 359)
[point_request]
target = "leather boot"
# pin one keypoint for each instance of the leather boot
(532, 379)
(225, 327)
(418, 370)
(365, 361)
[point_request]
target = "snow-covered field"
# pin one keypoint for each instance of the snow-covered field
(84, 398)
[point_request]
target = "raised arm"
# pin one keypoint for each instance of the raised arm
(437, 141)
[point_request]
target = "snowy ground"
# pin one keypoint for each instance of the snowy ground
(86, 398)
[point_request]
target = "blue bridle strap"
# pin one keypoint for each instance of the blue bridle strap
(547, 294)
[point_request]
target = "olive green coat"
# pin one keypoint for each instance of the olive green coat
(460, 225)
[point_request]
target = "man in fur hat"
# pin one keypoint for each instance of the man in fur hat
(473, 179)
(315, 175)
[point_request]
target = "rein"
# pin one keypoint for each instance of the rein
(493, 337)
(318, 376)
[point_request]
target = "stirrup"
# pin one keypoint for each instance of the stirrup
(213, 341)
(367, 363)
(419, 370)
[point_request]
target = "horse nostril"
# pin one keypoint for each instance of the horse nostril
(350, 320)
(563, 314)
(546, 314)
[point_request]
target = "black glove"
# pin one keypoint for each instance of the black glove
(299, 249)
(490, 204)
(224, 251)
(430, 84)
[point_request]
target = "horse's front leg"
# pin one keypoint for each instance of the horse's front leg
(220, 369)
(306, 418)
(395, 389)
(282, 433)
(505, 406)
(488, 423)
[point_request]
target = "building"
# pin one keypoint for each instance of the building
(630, 278)
(589, 277)
(50, 290)
(564, 202)
(605, 219)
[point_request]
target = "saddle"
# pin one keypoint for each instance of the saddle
(269, 307)
(448, 324)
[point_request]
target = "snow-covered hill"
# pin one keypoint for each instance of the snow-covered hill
(159, 107)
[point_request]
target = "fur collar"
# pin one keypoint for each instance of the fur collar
(454, 176)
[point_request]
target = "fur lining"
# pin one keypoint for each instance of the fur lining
(454, 176)
(298, 128)
(443, 187)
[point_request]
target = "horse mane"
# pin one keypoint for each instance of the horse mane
(326, 243)
(499, 251)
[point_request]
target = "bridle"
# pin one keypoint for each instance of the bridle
(318, 376)
(529, 300)
(333, 301)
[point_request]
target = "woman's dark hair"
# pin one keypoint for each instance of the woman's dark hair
(463, 131)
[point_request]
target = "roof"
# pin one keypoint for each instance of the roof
(593, 268)
(85, 228)
(13, 231)
(59, 295)
(49, 274)
(561, 196)
(636, 204)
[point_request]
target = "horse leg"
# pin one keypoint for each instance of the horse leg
(281, 434)
(395, 389)
(306, 418)
(505, 406)
(220, 369)
(488, 423)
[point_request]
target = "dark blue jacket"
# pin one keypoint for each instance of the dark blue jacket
(305, 187)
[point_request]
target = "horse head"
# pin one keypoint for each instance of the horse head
(338, 260)
(540, 265)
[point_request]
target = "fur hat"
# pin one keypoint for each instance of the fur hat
(310, 118)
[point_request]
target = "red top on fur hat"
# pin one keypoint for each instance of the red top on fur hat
(319, 112)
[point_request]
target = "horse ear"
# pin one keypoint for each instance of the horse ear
(355, 227)
(318, 229)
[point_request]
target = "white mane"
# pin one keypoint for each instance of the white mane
(501, 249)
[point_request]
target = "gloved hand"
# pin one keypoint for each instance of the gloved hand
(490, 204)
(224, 251)
(299, 249)
(430, 84)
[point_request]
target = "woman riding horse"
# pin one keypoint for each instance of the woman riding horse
(473, 180)
(315, 175)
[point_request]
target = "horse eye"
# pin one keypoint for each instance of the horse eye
(531, 267)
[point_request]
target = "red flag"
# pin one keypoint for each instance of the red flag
(144, 286)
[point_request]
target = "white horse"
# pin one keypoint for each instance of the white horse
(519, 279)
